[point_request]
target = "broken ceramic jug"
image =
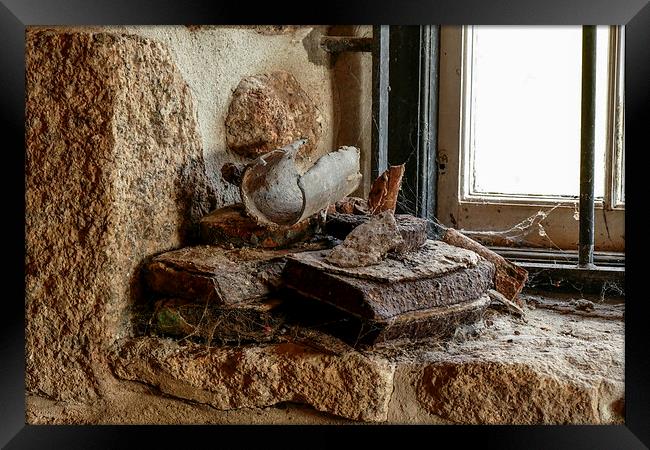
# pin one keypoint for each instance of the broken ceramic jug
(275, 193)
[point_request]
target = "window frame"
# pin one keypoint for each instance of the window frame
(457, 209)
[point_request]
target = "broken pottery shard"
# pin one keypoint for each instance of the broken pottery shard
(215, 324)
(383, 193)
(413, 229)
(220, 275)
(436, 275)
(367, 244)
(276, 194)
(230, 226)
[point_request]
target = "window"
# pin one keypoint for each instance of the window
(509, 132)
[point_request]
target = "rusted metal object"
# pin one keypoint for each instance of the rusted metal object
(436, 275)
(438, 323)
(432, 324)
(275, 194)
(349, 205)
(222, 276)
(383, 193)
(230, 226)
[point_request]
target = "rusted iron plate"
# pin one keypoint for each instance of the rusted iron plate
(433, 259)
(214, 273)
(378, 300)
(435, 323)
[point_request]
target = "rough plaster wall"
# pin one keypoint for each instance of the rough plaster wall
(213, 59)
(353, 100)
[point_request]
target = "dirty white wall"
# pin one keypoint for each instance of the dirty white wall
(213, 59)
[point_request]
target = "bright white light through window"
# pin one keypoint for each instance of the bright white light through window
(524, 110)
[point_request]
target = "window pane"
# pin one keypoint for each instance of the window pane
(525, 110)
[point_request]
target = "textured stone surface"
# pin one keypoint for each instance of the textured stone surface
(552, 369)
(350, 385)
(269, 111)
(550, 359)
(138, 404)
(114, 173)
(231, 226)
(243, 52)
(368, 243)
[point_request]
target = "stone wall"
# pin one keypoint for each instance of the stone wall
(125, 136)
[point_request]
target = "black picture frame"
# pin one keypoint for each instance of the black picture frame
(15, 15)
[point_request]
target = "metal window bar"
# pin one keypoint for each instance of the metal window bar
(587, 147)
(380, 89)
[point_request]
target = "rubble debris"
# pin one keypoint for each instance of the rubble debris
(412, 229)
(579, 307)
(215, 324)
(368, 243)
(383, 193)
(276, 194)
(513, 236)
(436, 275)
(583, 304)
(230, 226)
(318, 340)
(223, 276)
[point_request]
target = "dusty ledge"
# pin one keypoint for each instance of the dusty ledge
(554, 369)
